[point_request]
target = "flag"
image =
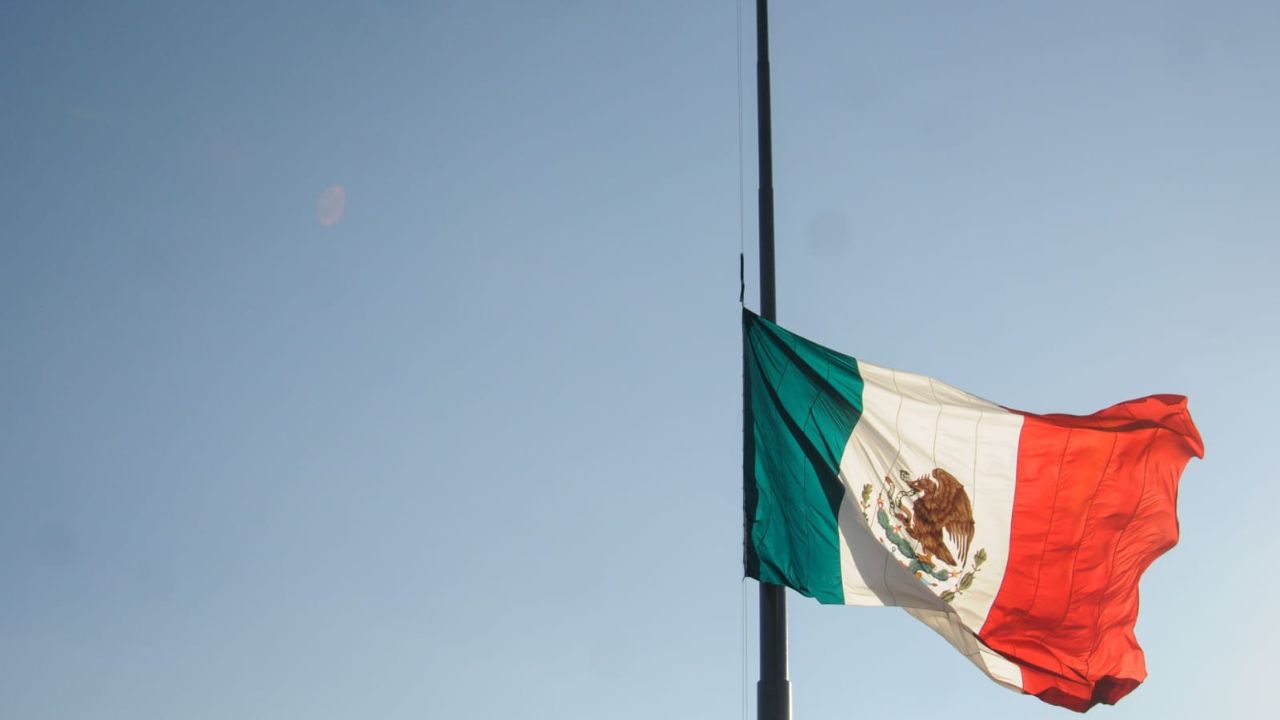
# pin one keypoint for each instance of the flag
(1018, 537)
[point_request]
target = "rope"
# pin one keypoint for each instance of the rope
(742, 203)
(742, 295)
(745, 671)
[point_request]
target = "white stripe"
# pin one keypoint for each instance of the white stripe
(949, 626)
(910, 422)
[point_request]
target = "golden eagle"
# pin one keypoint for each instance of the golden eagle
(941, 504)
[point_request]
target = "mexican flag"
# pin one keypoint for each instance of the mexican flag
(1020, 538)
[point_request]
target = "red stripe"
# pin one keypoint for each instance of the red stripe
(1095, 504)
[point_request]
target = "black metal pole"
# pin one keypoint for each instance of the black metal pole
(773, 691)
(768, 302)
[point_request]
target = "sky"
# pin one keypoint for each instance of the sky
(382, 359)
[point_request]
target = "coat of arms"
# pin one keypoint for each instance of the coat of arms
(928, 523)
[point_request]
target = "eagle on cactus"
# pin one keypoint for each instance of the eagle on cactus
(940, 504)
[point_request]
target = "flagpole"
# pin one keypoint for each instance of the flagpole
(773, 691)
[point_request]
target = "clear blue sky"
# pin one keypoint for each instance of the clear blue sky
(473, 450)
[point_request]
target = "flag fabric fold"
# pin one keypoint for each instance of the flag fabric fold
(1018, 537)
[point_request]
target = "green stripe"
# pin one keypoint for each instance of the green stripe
(800, 403)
